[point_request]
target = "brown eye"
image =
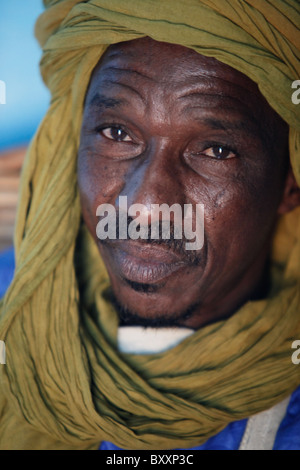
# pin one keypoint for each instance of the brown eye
(116, 133)
(219, 152)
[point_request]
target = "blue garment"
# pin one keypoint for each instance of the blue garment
(228, 439)
(7, 267)
(288, 435)
(287, 438)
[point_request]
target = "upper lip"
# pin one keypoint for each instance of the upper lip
(154, 253)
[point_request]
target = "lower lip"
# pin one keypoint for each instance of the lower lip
(143, 271)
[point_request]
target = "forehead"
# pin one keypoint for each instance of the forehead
(157, 67)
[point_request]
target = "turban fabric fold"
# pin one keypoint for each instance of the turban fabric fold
(65, 385)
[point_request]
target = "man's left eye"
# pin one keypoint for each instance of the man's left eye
(220, 152)
(116, 133)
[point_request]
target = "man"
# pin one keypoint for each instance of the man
(161, 119)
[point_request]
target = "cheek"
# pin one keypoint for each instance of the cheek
(239, 213)
(99, 182)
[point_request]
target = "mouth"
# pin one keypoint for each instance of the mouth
(144, 263)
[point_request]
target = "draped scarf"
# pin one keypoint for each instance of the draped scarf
(65, 385)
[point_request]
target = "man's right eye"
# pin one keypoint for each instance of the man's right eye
(116, 133)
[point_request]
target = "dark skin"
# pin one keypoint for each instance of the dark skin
(171, 126)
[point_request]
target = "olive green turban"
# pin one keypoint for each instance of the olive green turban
(65, 385)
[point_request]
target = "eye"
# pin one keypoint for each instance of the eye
(116, 133)
(220, 152)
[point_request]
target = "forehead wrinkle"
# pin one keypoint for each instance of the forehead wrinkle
(207, 84)
(213, 79)
(202, 91)
(122, 70)
(221, 101)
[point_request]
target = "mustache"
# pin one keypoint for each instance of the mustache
(176, 245)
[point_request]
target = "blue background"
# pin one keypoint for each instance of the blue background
(27, 98)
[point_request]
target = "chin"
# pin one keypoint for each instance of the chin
(146, 308)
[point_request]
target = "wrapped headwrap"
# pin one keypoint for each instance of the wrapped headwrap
(65, 385)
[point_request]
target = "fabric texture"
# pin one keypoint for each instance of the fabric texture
(230, 438)
(65, 385)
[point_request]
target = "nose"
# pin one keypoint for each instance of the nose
(155, 179)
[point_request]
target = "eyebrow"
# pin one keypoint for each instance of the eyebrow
(104, 102)
(248, 125)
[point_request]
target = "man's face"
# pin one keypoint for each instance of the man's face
(164, 125)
